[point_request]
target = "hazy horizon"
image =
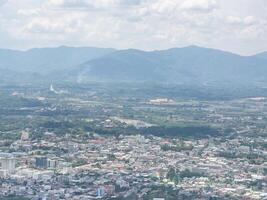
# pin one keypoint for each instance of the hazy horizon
(175, 47)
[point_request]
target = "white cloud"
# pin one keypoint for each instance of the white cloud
(200, 5)
(44, 26)
(93, 4)
(68, 3)
(172, 8)
(146, 24)
(65, 24)
(164, 6)
(246, 21)
(28, 12)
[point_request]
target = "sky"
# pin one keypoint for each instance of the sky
(239, 26)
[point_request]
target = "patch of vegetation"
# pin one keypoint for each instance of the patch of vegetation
(192, 131)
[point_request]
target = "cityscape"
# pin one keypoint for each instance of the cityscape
(61, 151)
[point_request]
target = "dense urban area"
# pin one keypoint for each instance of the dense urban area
(96, 141)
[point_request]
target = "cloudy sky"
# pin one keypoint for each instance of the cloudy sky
(239, 26)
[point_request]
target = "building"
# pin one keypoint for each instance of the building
(8, 163)
(41, 162)
(52, 164)
(24, 136)
(100, 192)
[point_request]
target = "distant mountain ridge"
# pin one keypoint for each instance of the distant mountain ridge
(46, 60)
(188, 65)
(176, 65)
(262, 55)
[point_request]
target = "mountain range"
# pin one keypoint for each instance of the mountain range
(45, 60)
(190, 64)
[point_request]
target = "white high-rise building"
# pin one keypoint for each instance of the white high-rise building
(24, 135)
(8, 163)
